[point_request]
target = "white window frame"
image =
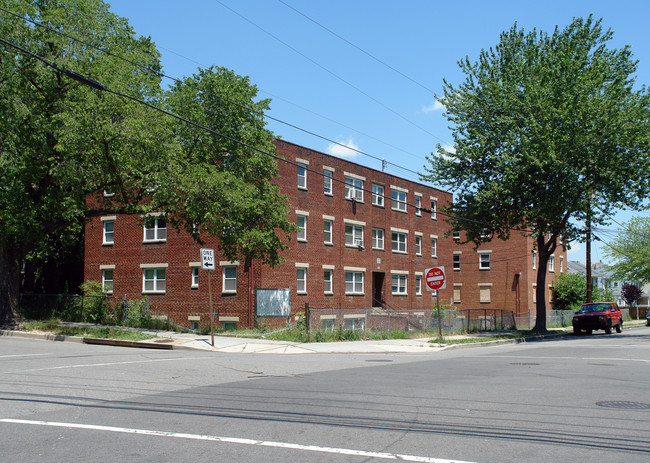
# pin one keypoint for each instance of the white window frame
(328, 281)
(434, 208)
(195, 277)
(154, 276)
(108, 236)
(328, 231)
(418, 245)
(157, 233)
(418, 204)
(106, 282)
(302, 174)
(302, 228)
(354, 187)
(484, 260)
(398, 240)
(418, 284)
(551, 263)
(229, 279)
(398, 199)
(561, 264)
(301, 280)
(434, 247)
(353, 235)
(534, 260)
(327, 182)
(456, 261)
(399, 284)
(354, 282)
(378, 235)
(377, 195)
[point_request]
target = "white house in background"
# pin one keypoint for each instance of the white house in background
(601, 277)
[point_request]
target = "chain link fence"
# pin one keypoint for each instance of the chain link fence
(387, 320)
(108, 310)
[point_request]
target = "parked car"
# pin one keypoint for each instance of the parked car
(598, 316)
(647, 318)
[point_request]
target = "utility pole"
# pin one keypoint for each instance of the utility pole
(588, 254)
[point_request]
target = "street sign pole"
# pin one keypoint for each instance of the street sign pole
(439, 319)
(211, 309)
(207, 263)
(435, 280)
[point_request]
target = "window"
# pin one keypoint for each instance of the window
(418, 245)
(155, 230)
(457, 289)
(551, 263)
(434, 247)
(377, 238)
(327, 281)
(399, 200)
(327, 231)
(302, 227)
(302, 176)
(418, 285)
(154, 280)
(561, 264)
(229, 275)
(484, 260)
(534, 260)
(399, 284)
(353, 235)
(353, 282)
(107, 281)
(418, 205)
(109, 232)
(327, 182)
(355, 324)
(195, 277)
(377, 195)
(301, 280)
(399, 242)
(434, 211)
(327, 325)
(354, 189)
(456, 261)
(484, 293)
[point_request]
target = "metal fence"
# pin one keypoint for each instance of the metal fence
(81, 308)
(451, 321)
(554, 318)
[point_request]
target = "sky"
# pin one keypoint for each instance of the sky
(364, 73)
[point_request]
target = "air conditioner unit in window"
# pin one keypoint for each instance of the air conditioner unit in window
(354, 194)
(358, 243)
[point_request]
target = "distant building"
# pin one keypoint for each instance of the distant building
(601, 277)
(366, 238)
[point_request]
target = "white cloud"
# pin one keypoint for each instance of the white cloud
(449, 148)
(346, 151)
(576, 252)
(436, 106)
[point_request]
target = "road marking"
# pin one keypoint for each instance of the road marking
(86, 365)
(235, 440)
(561, 358)
(20, 355)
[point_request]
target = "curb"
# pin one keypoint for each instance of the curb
(45, 336)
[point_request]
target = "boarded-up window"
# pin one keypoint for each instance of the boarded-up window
(484, 293)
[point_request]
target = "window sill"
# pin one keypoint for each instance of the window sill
(378, 205)
(153, 292)
(301, 293)
(398, 210)
(303, 188)
(399, 252)
(108, 244)
(328, 244)
(328, 293)
(399, 294)
(354, 294)
(153, 241)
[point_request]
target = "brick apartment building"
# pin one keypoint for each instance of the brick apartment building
(363, 242)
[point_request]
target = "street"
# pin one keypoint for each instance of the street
(572, 399)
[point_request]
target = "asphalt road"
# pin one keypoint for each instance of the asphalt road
(575, 399)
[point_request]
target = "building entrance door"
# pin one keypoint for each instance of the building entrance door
(378, 289)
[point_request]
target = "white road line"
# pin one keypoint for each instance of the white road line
(532, 357)
(87, 365)
(235, 440)
(21, 355)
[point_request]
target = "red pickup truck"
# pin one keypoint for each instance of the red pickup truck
(598, 316)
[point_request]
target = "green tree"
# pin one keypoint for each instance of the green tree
(570, 292)
(544, 125)
(61, 141)
(631, 251)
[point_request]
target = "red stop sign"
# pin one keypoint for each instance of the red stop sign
(435, 278)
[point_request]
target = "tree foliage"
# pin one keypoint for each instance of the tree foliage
(570, 292)
(544, 125)
(61, 140)
(631, 293)
(631, 251)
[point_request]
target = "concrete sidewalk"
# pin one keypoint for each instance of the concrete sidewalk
(229, 344)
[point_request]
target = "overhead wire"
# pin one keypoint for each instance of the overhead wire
(174, 79)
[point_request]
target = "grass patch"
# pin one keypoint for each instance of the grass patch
(475, 339)
(53, 327)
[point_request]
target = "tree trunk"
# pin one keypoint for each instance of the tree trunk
(9, 287)
(543, 255)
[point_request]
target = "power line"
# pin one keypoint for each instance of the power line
(330, 72)
(358, 48)
(174, 79)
